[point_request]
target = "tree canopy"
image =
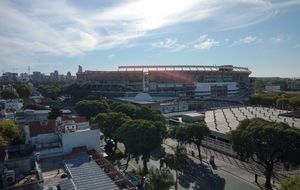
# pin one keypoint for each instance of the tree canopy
(24, 90)
(91, 108)
(110, 122)
(266, 143)
(140, 138)
(295, 102)
(51, 91)
(10, 133)
(195, 135)
(9, 93)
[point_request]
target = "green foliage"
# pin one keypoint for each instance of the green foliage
(292, 183)
(91, 108)
(149, 114)
(24, 90)
(140, 137)
(179, 133)
(110, 122)
(159, 179)
(127, 108)
(264, 99)
(195, 135)
(266, 143)
(271, 99)
(10, 133)
(55, 112)
(177, 161)
(51, 91)
(76, 91)
(295, 102)
(282, 102)
(9, 93)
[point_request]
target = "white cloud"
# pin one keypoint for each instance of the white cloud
(205, 43)
(280, 38)
(248, 39)
(61, 28)
(169, 44)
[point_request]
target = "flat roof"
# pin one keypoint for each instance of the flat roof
(86, 174)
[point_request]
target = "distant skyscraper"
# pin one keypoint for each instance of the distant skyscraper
(79, 69)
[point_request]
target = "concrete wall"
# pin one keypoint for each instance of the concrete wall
(88, 138)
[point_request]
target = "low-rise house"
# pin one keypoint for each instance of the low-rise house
(60, 136)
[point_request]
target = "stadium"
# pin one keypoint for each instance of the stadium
(185, 81)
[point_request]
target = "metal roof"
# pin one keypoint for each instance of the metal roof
(86, 175)
(182, 68)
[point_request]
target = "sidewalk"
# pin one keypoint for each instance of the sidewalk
(234, 170)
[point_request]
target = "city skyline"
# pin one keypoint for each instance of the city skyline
(50, 35)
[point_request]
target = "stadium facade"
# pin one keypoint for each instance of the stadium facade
(191, 81)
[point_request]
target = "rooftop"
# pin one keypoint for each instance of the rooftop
(41, 127)
(183, 68)
(86, 174)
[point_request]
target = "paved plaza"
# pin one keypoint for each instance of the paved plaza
(227, 119)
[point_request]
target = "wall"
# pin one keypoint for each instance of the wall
(88, 138)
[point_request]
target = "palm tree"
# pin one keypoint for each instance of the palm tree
(177, 161)
(159, 179)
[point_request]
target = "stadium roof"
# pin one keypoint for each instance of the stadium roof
(86, 175)
(183, 68)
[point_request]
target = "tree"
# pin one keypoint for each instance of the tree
(140, 138)
(292, 183)
(179, 133)
(295, 102)
(195, 134)
(24, 90)
(110, 122)
(9, 93)
(51, 91)
(159, 179)
(177, 161)
(10, 133)
(91, 108)
(266, 143)
(149, 114)
(55, 112)
(128, 109)
(76, 91)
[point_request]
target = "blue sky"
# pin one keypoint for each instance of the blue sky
(103, 34)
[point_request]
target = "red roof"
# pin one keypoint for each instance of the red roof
(76, 118)
(41, 127)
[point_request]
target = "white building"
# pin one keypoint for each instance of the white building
(69, 134)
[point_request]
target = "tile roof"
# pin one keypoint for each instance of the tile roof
(41, 127)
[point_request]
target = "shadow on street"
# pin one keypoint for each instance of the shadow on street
(202, 177)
